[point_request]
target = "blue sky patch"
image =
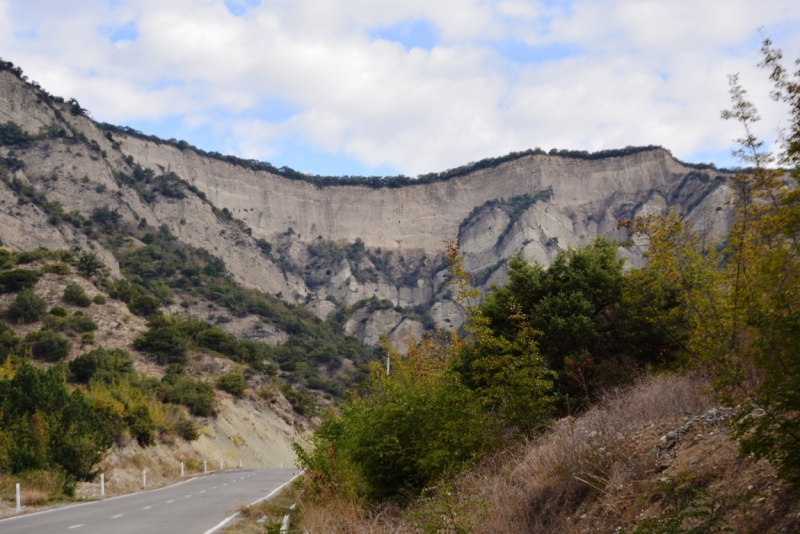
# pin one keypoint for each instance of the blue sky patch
(26, 35)
(522, 53)
(723, 159)
(411, 34)
(126, 32)
(239, 8)
(294, 152)
(308, 159)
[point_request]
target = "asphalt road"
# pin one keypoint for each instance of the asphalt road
(192, 507)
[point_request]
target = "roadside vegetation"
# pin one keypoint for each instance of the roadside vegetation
(545, 415)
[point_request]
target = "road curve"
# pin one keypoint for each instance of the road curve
(191, 507)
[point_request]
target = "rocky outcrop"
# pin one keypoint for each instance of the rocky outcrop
(536, 204)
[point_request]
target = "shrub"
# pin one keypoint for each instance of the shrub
(48, 345)
(90, 265)
(187, 429)
(99, 299)
(59, 311)
(59, 268)
(196, 395)
(144, 305)
(113, 363)
(75, 294)
(27, 307)
(166, 344)
(12, 134)
(18, 279)
(141, 425)
(233, 383)
(50, 427)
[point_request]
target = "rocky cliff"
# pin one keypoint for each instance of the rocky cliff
(342, 248)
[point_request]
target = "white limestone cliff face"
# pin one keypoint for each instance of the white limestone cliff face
(587, 198)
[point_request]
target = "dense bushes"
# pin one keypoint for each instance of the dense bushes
(27, 307)
(108, 366)
(48, 345)
(130, 400)
(17, 280)
(196, 395)
(12, 134)
(59, 320)
(75, 294)
(593, 329)
(166, 343)
(233, 383)
(45, 426)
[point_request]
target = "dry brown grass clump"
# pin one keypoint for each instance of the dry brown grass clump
(591, 473)
(33, 497)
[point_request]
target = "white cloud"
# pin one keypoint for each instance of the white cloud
(648, 72)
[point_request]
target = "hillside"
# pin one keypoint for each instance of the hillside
(301, 237)
(210, 265)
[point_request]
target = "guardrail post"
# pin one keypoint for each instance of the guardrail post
(205, 466)
(144, 478)
(102, 484)
(19, 503)
(222, 465)
(181, 468)
(240, 464)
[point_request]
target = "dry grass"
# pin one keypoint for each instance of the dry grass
(33, 497)
(540, 485)
(586, 474)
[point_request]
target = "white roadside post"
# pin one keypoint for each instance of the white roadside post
(240, 464)
(144, 478)
(102, 484)
(205, 466)
(181, 469)
(19, 504)
(285, 525)
(222, 465)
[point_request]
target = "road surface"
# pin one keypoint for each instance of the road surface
(192, 507)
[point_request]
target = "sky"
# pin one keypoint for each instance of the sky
(384, 87)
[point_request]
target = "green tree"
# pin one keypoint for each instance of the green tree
(740, 297)
(508, 373)
(141, 425)
(233, 383)
(75, 294)
(48, 345)
(27, 307)
(583, 312)
(90, 265)
(17, 279)
(51, 427)
(167, 344)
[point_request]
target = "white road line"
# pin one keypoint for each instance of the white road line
(171, 500)
(203, 491)
(146, 507)
(215, 487)
(229, 518)
(76, 526)
(117, 516)
(187, 496)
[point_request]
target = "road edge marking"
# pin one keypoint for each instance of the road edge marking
(76, 505)
(273, 492)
